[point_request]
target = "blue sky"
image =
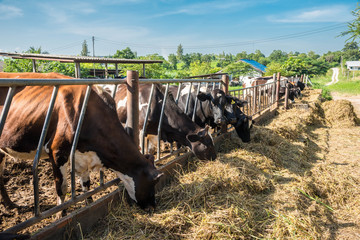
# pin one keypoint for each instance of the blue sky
(159, 26)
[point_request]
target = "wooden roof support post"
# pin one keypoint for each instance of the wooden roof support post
(106, 71)
(225, 81)
(77, 70)
(132, 122)
(116, 70)
(34, 65)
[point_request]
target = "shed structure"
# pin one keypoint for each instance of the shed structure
(78, 59)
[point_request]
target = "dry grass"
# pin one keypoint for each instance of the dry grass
(288, 183)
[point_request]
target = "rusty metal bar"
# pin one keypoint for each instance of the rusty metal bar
(225, 82)
(188, 98)
(161, 120)
(76, 139)
(6, 107)
(132, 122)
(286, 104)
(143, 132)
(196, 103)
(40, 149)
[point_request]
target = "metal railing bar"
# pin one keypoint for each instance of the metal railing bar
(181, 150)
(60, 207)
(6, 107)
(6, 82)
(177, 80)
(40, 149)
(76, 139)
(178, 94)
(143, 133)
(196, 102)
(188, 98)
(161, 119)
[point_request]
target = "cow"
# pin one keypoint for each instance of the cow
(176, 126)
(102, 143)
(210, 108)
(243, 123)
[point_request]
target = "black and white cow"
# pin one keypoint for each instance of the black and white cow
(176, 126)
(210, 108)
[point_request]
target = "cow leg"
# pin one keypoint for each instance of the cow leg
(4, 196)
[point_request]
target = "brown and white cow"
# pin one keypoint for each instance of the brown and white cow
(103, 142)
(176, 125)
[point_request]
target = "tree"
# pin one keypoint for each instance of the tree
(180, 52)
(350, 46)
(84, 51)
(125, 54)
(278, 56)
(353, 26)
(173, 60)
(238, 69)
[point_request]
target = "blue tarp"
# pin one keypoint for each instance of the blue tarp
(255, 64)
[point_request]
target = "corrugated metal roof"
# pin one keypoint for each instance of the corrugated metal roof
(257, 66)
(79, 59)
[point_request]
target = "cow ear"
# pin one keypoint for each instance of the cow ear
(150, 158)
(203, 96)
(193, 137)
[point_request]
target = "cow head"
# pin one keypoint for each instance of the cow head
(202, 144)
(140, 185)
(217, 101)
(243, 127)
(231, 109)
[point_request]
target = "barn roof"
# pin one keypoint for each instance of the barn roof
(77, 59)
(257, 66)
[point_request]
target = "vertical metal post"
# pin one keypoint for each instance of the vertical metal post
(302, 78)
(286, 95)
(214, 85)
(143, 133)
(196, 103)
(39, 151)
(206, 87)
(225, 81)
(34, 65)
(144, 70)
(76, 139)
(277, 89)
(188, 98)
(254, 91)
(132, 122)
(178, 94)
(6, 107)
(273, 89)
(116, 70)
(161, 119)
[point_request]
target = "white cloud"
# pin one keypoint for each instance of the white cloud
(335, 13)
(9, 12)
(213, 6)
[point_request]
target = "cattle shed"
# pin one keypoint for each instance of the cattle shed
(77, 60)
(254, 64)
(353, 65)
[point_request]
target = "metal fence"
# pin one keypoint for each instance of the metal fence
(132, 80)
(259, 98)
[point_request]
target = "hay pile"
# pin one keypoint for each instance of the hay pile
(278, 186)
(340, 113)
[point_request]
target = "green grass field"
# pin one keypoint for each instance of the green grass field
(349, 85)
